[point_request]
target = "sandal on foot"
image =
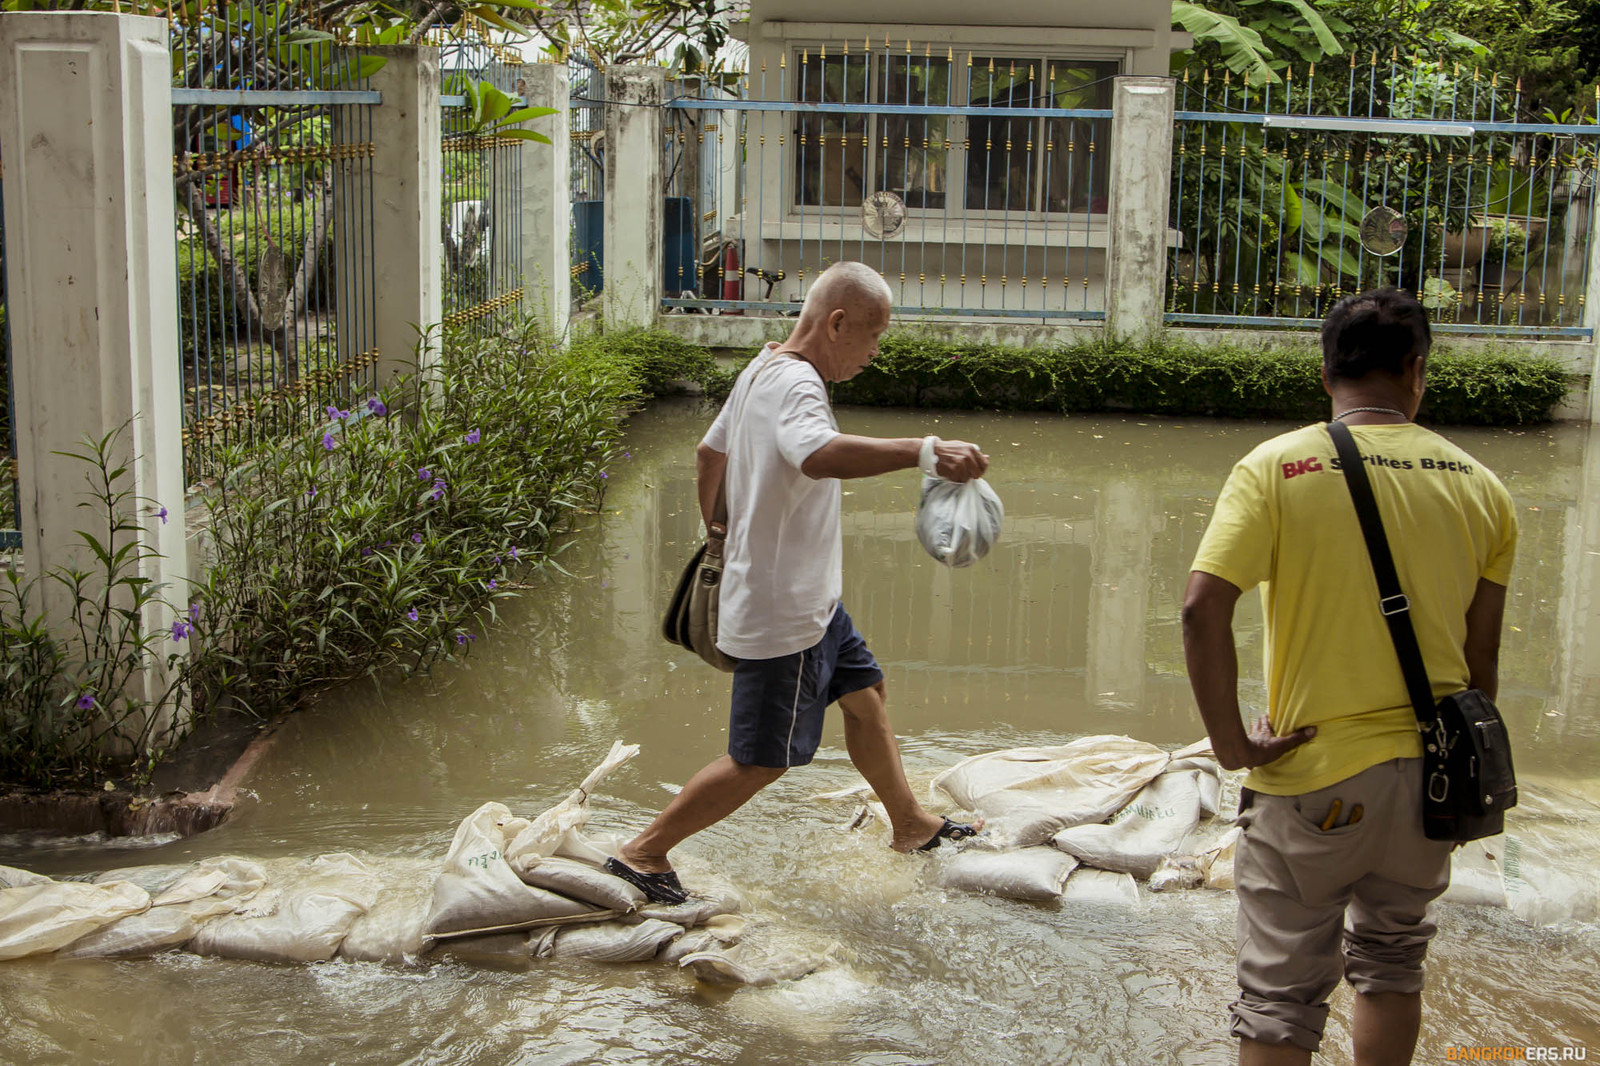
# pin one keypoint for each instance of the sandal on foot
(657, 888)
(951, 831)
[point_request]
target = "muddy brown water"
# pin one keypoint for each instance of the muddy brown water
(1069, 628)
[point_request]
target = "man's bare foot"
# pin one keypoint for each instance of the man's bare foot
(643, 861)
(929, 828)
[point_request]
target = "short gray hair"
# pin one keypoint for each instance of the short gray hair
(844, 283)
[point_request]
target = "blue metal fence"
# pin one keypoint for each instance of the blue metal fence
(1288, 196)
(10, 498)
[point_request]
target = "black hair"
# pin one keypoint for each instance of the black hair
(1375, 332)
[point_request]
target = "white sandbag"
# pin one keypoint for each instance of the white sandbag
(1549, 873)
(500, 951)
(1101, 887)
(1476, 876)
(558, 831)
(720, 932)
(579, 881)
(958, 522)
(318, 902)
(614, 941)
(202, 893)
(47, 916)
(1036, 873)
(748, 964)
(1028, 795)
(12, 877)
(1152, 826)
(153, 879)
(1217, 862)
(1175, 873)
(696, 911)
(391, 930)
(477, 892)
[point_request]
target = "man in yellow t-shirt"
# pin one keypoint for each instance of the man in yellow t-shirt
(1332, 846)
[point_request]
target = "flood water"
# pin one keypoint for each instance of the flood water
(1070, 628)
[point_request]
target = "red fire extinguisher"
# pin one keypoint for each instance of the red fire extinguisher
(732, 277)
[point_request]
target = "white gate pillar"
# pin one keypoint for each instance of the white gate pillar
(86, 121)
(1141, 193)
(408, 209)
(634, 196)
(547, 199)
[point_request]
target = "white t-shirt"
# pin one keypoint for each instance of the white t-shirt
(782, 570)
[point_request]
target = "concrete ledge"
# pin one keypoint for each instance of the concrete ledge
(750, 332)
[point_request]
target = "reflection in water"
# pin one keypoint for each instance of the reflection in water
(1069, 628)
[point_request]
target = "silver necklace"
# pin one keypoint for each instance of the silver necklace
(1374, 410)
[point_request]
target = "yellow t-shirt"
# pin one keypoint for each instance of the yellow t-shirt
(1285, 521)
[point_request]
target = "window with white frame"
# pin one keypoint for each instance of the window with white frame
(947, 163)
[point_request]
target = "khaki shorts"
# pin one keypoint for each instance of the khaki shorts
(1303, 890)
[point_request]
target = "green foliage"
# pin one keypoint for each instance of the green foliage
(371, 541)
(661, 362)
(917, 369)
(1252, 38)
(70, 704)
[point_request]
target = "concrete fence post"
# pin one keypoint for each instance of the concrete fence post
(408, 210)
(547, 199)
(86, 118)
(634, 196)
(1591, 306)
(1141, 191)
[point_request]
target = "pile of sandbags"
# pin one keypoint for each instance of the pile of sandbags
(510, 891)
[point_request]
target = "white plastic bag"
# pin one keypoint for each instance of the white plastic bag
(958, 522)
(559, 831)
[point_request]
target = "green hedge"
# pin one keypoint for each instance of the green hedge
(915, 369)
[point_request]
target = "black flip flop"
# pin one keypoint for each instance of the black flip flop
(951, 831)
(657, 888)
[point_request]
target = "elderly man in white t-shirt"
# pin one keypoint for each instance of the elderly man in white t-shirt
(779, 613)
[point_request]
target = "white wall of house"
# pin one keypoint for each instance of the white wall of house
(1014, 216)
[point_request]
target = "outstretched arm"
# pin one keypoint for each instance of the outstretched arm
(849, 456)
(1213, 662)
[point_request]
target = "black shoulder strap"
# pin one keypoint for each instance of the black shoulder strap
(1392, 601)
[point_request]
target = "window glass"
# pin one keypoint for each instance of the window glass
(912, 150)
(830, 151)
(1077, 160)
(1001, 151)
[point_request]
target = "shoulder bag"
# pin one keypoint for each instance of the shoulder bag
(691, 620)
(1468, 780)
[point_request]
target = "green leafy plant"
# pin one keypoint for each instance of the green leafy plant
(97, 688)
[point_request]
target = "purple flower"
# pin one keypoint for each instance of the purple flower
(311, 493)
(603, 476)
(377, 407)
(627, 455)
(86, 701)
(461, 638)
(412, 614)
(472, 436)
(423, 473)
(162, 514)
(327, 441)
(492, 582)
(438, 494)
(438, 482)
(416, 538)
(181, 629)
(333, 412)
(365, 552)
(497, 560)
(513, 551)
(194, 614)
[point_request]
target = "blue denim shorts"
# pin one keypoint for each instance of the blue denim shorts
(778, 704)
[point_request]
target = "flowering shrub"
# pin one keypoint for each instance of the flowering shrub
(383, 535)
(70, 705)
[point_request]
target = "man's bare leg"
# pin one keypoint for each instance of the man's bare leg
(1255, 1053)
(1386, 1025)
(876, 754)
(718, 790)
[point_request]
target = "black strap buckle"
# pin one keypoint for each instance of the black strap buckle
(1395, 604)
